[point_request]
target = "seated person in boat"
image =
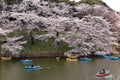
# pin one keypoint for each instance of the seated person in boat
(102, 72)
(32, 65)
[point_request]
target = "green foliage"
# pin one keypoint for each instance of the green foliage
(115, 46)
(93, 2)
(11, 34)
(82, 1)
(66, 1)
(36, 32)
(90, 1)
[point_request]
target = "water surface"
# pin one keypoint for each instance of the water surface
(58, 70)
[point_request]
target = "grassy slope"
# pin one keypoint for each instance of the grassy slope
(39, 46)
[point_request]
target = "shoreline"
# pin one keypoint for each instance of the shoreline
(36, 55)
(44, 54)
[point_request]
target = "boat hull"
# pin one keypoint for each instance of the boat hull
(72, 60)
(6, 58)
(85, 59)
(101, 75)
(26, 61)
(115, 58)
(32, 67)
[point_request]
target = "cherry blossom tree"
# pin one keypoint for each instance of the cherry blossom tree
(85, 28)
(90, 34)
(13, 45)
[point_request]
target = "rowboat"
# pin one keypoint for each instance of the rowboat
(85, 59)
(72, 59)
(115, 58)
(32, 67)
(26, 61)
(107, 72)
(108, 57)
(6, 58)
(100, 55)
(57, 58)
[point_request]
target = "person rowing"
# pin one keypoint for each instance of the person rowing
(102, 72)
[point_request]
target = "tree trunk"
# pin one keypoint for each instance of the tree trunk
(32, 38)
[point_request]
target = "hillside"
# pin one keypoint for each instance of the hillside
(83, 29)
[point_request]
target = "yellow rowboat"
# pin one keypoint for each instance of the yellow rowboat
(72, 59)
(57, 58)
(72, 56)
(6, 58)
(116, 52)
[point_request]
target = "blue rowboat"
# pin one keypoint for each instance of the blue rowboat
(100, 55)
(32, 67)
(27, 61)
(115, 58)
(85, 59)
(108, 57)
(104, 56)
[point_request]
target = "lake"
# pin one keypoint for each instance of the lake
(59, 70)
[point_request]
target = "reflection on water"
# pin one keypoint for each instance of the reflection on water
(58, 70)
